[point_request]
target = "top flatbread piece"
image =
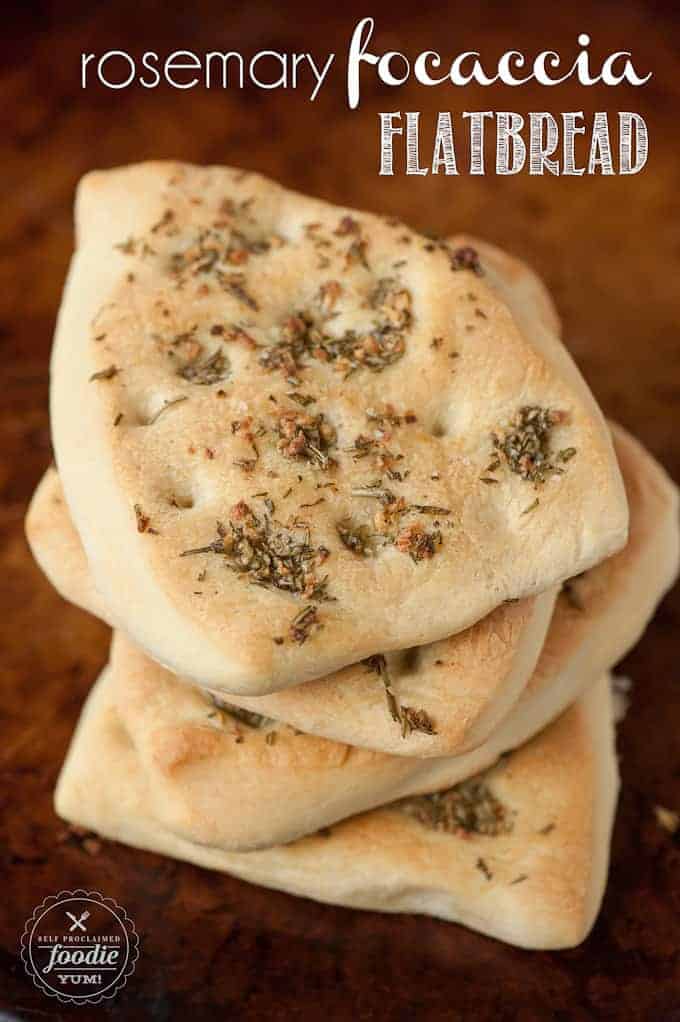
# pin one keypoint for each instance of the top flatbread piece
(309, 396)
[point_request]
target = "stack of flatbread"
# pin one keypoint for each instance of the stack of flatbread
(367, 545)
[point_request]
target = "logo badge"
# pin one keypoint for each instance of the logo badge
(79, 947)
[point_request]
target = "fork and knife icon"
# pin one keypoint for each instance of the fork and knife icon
(78, 923)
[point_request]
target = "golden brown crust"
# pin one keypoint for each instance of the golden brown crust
(538, 885)
(129, 485)
(56, 545)
(237, 783)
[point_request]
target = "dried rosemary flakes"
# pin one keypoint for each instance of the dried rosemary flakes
(483, 868)
(393, 304)
(347, 225)
(409, 718)
(301, 338)
(356, 538)
(301, 399)
(416, 720)
(470, 808)
(356, 253)
(235, 285)
(247, 717)
(306, 437)
(143, 521)
(105, 374)
(525, 447)
(383, 459)
(297, 336)
(213, 370)
(328, 296)
(374, 351)
(465, 258)
(387, 417)
(362, 447)
(303, 624)
(212, 251)
(417, 542)
(272, 555)
(413, 539)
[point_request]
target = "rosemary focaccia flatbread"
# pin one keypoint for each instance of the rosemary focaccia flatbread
(519, 853)
(598, 617)
(293, 436)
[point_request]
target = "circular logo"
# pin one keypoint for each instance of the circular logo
(79, 947)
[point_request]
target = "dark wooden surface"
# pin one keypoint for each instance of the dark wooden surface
(213, 947)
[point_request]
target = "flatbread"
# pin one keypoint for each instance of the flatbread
(534, 877)
(197, 302)
(597, 619)
(227, 777)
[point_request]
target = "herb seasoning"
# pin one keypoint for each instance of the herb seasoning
(247, 717)
(303, 624)
(465, 258)
(468, 808)
(356, 538)
(143, 521)
(272, 555)
(409, 718)
(213, 370)
(417, 542)
(105, 374)
(525, 446)
(301, 338)
(306, 437)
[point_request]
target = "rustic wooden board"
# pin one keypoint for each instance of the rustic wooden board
(609, 249)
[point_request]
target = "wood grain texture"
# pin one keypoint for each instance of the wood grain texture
(609, 250)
